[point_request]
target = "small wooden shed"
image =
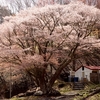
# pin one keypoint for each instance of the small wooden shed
(89, 73)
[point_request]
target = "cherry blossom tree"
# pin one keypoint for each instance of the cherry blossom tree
(38, 39)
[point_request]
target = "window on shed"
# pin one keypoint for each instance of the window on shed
(82, 67)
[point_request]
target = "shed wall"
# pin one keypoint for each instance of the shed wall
(86, 71)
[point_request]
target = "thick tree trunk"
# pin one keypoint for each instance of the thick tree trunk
(42, 82)
(57, 73)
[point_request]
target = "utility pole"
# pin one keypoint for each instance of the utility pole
(10, 82)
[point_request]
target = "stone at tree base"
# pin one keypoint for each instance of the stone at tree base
(38, 88)
(38, 93)
(30, 92)
(21, 95)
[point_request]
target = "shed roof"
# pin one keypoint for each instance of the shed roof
(91, 67)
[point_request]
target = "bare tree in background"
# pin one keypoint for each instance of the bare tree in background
(4, 11)
(17, 5)
(92, 2)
